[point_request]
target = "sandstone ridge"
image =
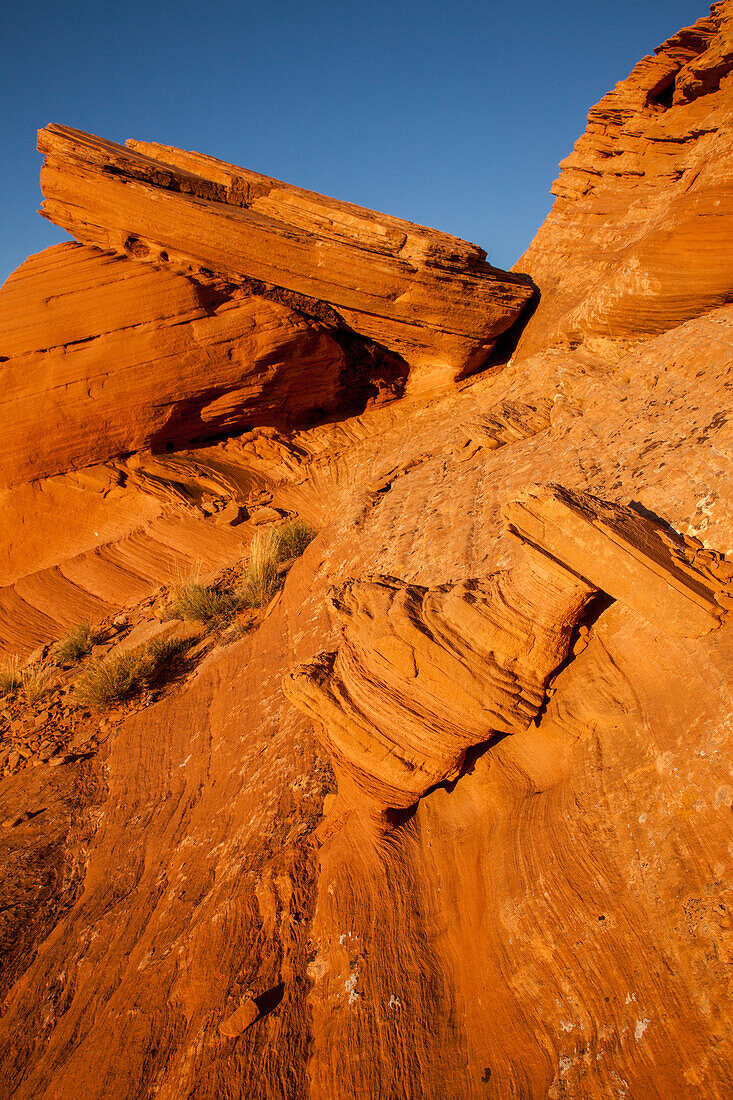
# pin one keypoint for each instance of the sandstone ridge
(639, 237)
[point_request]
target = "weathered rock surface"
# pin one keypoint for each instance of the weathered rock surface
(105, 356)
(640, 237)
(424, 674)
(189, 909)
(622, 553)
(431, 298)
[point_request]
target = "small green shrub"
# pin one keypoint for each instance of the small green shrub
(77, 643)
(37, 681)
(117, 677)
(200, 603)
(9, 676)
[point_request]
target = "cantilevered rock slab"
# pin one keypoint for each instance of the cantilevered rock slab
(429, 297)
(621, 552)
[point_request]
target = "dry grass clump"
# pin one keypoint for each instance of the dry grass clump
(260, 573)
(294, 536)
(114, 678)
(77, 643)
(200, 603)
(270, 547)
(37, 681)
(9, 676)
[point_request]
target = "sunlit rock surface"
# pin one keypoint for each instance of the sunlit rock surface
(493, 858)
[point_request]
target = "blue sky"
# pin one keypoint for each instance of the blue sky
(450, 114)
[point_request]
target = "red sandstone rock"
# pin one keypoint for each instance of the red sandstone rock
(422, 675)
(430, 297)
(640, 237)
(551, 923)
(105, 356)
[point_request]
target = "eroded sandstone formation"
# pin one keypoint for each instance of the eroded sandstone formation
(492, 859)
(422, 675)
(639, 238)
(431, 298)
(104, 356)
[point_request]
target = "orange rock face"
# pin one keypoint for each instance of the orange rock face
(448, 815)
(640, 236)
(423, 675)
(431, 298)
(105, 356)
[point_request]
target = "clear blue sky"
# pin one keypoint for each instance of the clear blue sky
(453, 114)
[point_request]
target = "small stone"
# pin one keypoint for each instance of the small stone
(36, 656)
(265, 515)
(57, 761)
(240, 1019)
(231, 514)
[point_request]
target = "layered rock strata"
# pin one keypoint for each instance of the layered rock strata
(640, 237)
(625, 554)
(431, 298)
(104, 356)
(421, 675)
(552, 925)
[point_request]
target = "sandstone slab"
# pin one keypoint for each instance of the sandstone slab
(621, 552)
(431, 298)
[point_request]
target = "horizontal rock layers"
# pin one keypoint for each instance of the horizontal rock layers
(431, 298)
(105, 356)
(640, 237)
(421, 675)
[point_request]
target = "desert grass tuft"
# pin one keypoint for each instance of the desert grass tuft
(270, 547)
(77, 643)
(294, 537)
(117, 677)
(260, 573)
(200, 603)
(37, 681)
(9, 676)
